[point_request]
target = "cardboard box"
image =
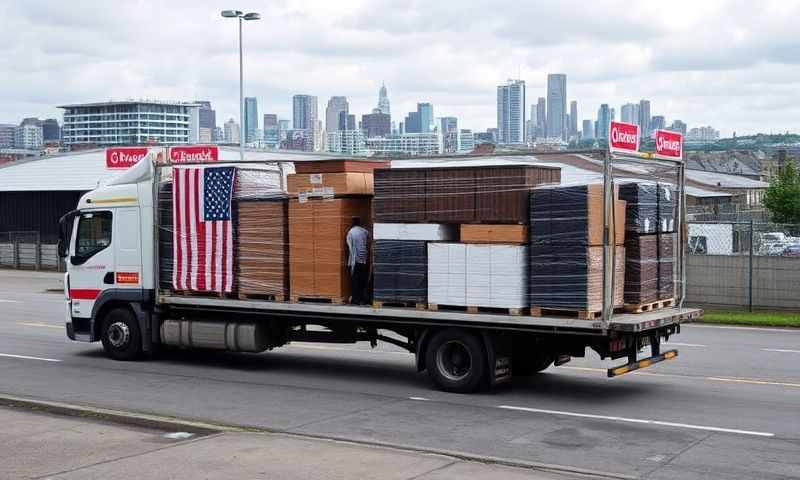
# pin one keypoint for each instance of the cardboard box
(338, 166)
(432, 232)
(477, 275)
(475, 233)
(317, 246)
(336, 184)
(641, 269)
(262, 237)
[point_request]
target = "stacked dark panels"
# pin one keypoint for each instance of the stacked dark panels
(641, 242)
(566, 261)
(400, 270)
(667, 212)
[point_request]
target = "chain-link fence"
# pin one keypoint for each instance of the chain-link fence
(25, 250)
(743, 264)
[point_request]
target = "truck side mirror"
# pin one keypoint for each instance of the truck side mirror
(61, 248)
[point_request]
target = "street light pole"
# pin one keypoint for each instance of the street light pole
(241, 16)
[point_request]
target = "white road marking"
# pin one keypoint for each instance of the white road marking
(638, 420)
(178, 435)
(26, 357)
(779, 350)
(676, 344)
(43, 325)
(752, 381)
(754, 329)
(421, 399)
(9, 301)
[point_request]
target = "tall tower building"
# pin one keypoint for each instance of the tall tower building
(425, 111)
(573, 118)
(511, 112)
(232, 132)
(304, 112)
(250, 119)
(644, 118)
(604, 118)
(556, 105)
(383, 100)
(628, 114)
(335, 106)
(541, 118)
(588, 130)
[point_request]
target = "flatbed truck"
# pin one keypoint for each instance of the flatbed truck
(110, 243)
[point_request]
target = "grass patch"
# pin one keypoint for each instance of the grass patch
(761, 319)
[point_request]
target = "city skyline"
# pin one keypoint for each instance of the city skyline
(744, 86)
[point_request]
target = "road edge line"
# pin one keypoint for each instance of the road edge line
(163, 422)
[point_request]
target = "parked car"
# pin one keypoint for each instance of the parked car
(792, 251)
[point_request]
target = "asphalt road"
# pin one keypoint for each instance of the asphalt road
(728, 407)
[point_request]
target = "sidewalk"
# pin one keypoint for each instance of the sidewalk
(45, 445)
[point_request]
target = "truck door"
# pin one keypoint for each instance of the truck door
(91, 261)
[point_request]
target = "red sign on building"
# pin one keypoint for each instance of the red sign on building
(124, 157)
(669, 144)
(194, 154)
(623, 137)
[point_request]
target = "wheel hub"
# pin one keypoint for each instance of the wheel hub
(454, 360)
(118, 334)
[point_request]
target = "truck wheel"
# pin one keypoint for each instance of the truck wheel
(456, 361)
(120, 335)
(529, 364)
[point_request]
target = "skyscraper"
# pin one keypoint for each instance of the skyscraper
(304, 112)
(425, 111)
(412, 123)
(573, 118)
(271, 136)
(511, 112)
(603, 121)
(541, 118)
(628, 114)
(383, 100)
(448, 127)
(658, 122)
(588, 130)
(556, 105)
(51, 132)
(232, 132)
(207, 122)
(335, 105)
(644, 118)
(250, 119)
(376, 124)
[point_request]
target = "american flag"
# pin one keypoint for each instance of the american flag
(203, 231)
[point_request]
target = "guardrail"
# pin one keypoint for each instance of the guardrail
(25, 251)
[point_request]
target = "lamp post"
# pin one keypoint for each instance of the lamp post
(241, 16)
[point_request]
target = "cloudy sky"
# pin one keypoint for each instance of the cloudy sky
(734, 65)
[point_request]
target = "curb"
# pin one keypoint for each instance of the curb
(160, 422)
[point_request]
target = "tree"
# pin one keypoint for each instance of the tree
(782, 198)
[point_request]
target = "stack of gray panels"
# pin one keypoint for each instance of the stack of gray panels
(400, 269)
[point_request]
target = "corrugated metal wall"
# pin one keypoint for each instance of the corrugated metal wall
(35, 211)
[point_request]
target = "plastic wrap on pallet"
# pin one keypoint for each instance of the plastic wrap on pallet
(432, 232)
(339, 184)
(487, 194)
(400, 271)
(572, 215)
(470, 275)
(667, 207)
(641, 208)
(571, 276)
(666, 265)
(317, 246)
(641, 269)
(263, 249)
(201, 262)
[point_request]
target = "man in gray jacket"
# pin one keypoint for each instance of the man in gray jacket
(358, 261)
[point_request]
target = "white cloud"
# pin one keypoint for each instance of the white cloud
(732, 64)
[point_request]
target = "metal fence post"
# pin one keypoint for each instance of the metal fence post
(750, 274)
(15, 252)
(38, 252)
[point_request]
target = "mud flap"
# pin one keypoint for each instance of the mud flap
(498, 352)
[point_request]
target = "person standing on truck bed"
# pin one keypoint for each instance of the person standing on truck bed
(357, 258)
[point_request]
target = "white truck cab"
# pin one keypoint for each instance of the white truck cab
(107, 243)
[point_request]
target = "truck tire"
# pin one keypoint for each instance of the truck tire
(120, 335)
(456, 361)
(531, 363)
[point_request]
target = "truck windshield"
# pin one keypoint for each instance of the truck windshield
(94, 235)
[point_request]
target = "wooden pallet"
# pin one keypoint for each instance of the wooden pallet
(648, 307)
(566, 312)
(309, 299)
(266, 297)
(381, 304)
(475, 309)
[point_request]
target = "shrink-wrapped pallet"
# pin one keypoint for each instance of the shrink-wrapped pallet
(263, 249)
(666, 208)
(318, 249)
(641, 208)
(472, 275)
(666, 265)
(450, 195)
(641, 269)
(399, 195)
(573, 215)
(501, 194)
(400, 271)
(570, 277)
